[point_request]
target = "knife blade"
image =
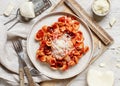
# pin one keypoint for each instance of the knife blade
(82, 14)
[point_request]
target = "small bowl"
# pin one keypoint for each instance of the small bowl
(99, 14)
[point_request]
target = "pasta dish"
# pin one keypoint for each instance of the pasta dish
(61, 44)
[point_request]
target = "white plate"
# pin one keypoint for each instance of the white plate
(32, 47)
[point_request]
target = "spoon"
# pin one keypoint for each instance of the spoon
(20, 20)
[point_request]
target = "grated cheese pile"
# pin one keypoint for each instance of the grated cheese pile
(101, 6)
(61, 46)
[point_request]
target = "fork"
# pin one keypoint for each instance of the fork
(22, 66)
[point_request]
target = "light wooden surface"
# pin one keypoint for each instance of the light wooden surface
(109, 57)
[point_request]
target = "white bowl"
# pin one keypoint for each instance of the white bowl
(101, 14)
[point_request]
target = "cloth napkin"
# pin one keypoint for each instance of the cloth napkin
(9, 66)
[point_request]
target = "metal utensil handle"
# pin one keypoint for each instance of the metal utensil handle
(10, 20)
(30, 79)
(13, 25)
(21, 76)
(13, 18)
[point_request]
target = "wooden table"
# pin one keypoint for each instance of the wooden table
(109, 58)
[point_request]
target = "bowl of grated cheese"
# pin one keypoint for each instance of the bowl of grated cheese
(101, 7)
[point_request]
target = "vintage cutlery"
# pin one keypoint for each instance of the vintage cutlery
(34, 72)
(19, 50)
(21, 70)
(20, 19)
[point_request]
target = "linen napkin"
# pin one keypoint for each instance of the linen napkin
(9, 66)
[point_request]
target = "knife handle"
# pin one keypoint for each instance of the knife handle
(21, 76)
(29, 77)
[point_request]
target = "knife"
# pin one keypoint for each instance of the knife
(27, 73)
(21, 73)
(22, 65)
(82, 14)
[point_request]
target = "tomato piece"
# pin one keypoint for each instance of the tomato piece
(86, 49)
(50, 29)
(77, 23)
(61, 19)
(39, 35)
(59, 64)
(42, 45)
(42, 58)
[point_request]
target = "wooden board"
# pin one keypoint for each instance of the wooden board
(99, 46)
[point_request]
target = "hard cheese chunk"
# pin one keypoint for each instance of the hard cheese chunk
(9, 9)
(27, 10)
(112, 21)
(100, 78)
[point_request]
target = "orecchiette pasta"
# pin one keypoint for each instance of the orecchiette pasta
(61, 44)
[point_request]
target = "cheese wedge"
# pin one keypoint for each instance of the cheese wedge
(9, 9)
(27, 10)
(100, 78)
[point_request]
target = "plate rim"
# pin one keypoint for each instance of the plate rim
(64, 13)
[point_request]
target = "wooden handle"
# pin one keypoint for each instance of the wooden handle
(21, 76)
(29, 77)
(91, 23)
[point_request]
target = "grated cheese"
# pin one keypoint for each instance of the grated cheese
(101, 6)
(61, 46)
(102, 65)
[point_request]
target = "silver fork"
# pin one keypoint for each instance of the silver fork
(22, 66)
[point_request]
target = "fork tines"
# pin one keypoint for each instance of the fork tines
(17, 45)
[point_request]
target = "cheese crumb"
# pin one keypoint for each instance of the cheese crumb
(101, 65)
(112, 22)
(118, 60)
(118, 65)
(9, 9)
(100, 45)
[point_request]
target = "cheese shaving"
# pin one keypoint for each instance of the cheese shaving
(61, 46)
(102, 65)
(118, 65)
(27, 10)
(112, 22)
(9, 9)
